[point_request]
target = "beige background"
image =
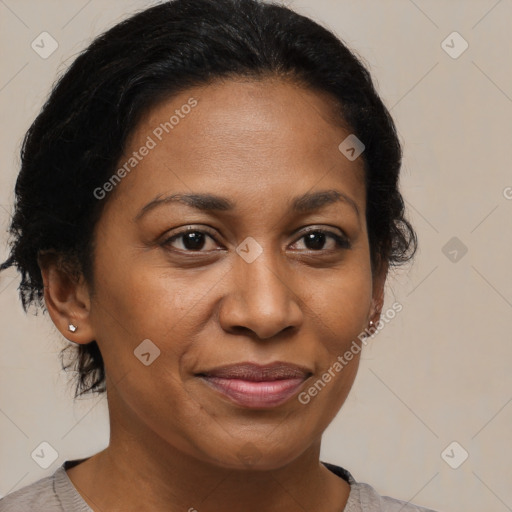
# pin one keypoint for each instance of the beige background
(440, 371)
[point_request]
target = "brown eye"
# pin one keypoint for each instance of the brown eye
(195, 240)
(192, 240)
(315, 240)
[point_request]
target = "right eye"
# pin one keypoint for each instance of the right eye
(192, 240)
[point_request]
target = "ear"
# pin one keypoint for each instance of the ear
(66, 297)
(379, 281)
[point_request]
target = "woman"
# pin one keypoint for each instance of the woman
(207, 208)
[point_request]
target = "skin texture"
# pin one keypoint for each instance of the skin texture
(260, 144)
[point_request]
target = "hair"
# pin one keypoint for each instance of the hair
(76, 141)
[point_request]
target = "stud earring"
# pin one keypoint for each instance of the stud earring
(72, 328)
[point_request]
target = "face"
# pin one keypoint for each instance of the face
(277, 269)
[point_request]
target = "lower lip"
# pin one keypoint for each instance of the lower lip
(256, 394)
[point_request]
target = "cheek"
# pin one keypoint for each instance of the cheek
(138, 301)
(338, 358)
(340, 309)
(148, 311)
(342, 305)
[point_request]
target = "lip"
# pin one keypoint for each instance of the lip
(257, 386)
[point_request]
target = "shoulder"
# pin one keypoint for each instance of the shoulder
(54, 493)
(39, 495)
(371, 500)
(364, 498)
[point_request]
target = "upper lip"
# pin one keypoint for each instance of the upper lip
(259, 373)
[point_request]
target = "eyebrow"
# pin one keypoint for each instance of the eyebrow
(310, 201)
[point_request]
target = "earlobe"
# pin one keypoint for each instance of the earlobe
(376, 310)
(67, 299)
(379, 282)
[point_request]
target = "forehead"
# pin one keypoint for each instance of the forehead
(245, 137)
(266, 112)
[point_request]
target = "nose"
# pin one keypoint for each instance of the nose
(262, 297)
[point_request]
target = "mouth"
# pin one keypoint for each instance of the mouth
(256, 386)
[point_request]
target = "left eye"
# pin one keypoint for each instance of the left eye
(193, 240)
(316, 238)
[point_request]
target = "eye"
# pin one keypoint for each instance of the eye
(315, 239)
(194, 240)
(191, 240)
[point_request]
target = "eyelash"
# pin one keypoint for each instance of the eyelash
(342, 242)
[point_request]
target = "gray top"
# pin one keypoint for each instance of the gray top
(56, 493)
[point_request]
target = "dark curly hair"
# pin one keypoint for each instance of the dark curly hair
(76, 141)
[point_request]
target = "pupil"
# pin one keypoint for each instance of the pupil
(194, 240)
(310, 237)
